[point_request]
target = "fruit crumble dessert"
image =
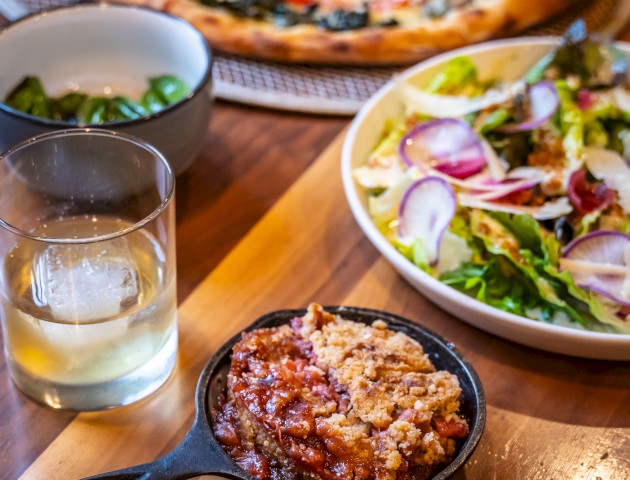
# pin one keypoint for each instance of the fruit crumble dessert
(328, 398)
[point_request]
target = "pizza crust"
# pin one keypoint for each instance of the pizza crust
(479, 21)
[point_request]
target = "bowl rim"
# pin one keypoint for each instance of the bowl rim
(99, 132)
(404, 266)
(100, 5)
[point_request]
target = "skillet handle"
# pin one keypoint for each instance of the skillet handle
(198, 454)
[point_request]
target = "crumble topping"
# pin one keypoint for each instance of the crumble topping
(329, 398)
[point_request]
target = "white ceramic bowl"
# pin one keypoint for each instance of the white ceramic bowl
(112, 50)
(508, 59)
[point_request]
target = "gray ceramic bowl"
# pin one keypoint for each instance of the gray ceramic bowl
(109, 49)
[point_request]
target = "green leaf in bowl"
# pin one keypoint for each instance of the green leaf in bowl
(169, 88)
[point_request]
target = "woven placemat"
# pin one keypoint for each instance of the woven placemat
(336, 90)
(342, 91)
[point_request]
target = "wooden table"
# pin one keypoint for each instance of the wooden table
(262, 224)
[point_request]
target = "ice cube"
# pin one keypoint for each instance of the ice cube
(86, 282)
(78, 343)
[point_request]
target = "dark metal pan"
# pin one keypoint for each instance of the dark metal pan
(200, 453)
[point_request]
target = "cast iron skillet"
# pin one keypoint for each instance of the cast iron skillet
(200, 454)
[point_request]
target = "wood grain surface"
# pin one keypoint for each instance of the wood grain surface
(250, 158)
(262, 224)
(549, 416)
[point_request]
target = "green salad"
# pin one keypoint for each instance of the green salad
(516, 193)
(30, 97)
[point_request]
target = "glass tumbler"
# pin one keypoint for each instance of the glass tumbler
(87, 282)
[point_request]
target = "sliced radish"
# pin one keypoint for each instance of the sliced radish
(598, 262)
(448, 145)
(462, 170)
(425, 212)
(447, 106)
(450, 149)
(543, 103)
(584, 267)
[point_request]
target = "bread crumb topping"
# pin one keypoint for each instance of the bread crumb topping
(330, 398)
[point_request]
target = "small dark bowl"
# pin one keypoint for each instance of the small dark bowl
(110, 49)
(200, 453)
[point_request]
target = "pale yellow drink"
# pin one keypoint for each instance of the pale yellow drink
(87, 313)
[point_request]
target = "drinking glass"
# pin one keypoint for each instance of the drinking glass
(87, 280)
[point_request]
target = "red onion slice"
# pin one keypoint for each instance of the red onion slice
(425, 212)
(448, 145)
(521, 178)
(592, 259)
(548, 210)
(585, 99)
(481, 181)
(586, 196)
(506, 188)
(611, 168)
(543, 103)
(484, 182)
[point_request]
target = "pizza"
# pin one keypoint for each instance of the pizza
(354, 32)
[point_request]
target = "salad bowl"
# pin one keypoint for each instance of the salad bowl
(109, 50)
(508, 60)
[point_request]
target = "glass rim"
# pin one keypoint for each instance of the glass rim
(102, 133)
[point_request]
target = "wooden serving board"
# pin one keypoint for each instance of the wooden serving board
(549, 416)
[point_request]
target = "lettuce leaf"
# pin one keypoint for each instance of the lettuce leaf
(524, 228)
(493, 120)
(570, 119)
(392, 134)
(543, 255)
(457, 77)
(500, 240)
(415, 253)
(499, 284)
